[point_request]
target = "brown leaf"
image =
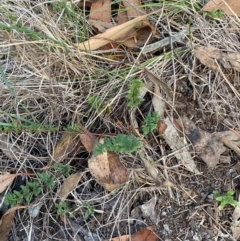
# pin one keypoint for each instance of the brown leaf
(101, 10)
(6, 225)
(69, 184)
(99, 25)
(144, 234)
(133, 8)
(122, 14)
(108, 170)
(178, 146)
(88, 140)
(230, 139)
(229, 7)
(149, 210)
(64, 146)
(206, 145)
(140, 37)
(209, 55)
(6, 180)
(111, 35)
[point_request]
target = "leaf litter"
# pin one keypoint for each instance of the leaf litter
(174, 71)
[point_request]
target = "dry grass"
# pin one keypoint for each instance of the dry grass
(47, 81)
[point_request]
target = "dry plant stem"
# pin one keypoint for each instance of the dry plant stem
(230, 144)
(151, 169)
(166, 173)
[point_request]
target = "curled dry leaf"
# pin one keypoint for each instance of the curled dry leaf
(206, 145)
(177, 145)
(108, 170)
(7, 221)
(230, 139)
(69, 184)
(208, 56)
(149, 210)
(88, 140)
(145, 234)
(111, 35)
(229, 7)
(6, 180)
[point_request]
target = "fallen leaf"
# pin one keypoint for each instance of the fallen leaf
(139, 37)
(179, 148)
(111, 35)
(229, 7)
(7, 221)
(108, 170)
(133, 8)
(206, 145)
(6, 180)
(149, 211)
(209, 55)
(101, 10)
(144, 234)
(122, 14)
(235, 224)
(11, 150)
(69, 184)
(6, 225)
(88, 140)
(166, 89)
(230, 139)
(99, 25)
(86, 3)
(64, 146)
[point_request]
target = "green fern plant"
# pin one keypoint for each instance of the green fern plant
(133, 94)
(121, 143)
(150, 123)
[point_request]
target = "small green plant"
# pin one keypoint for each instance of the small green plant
(95, 102)
(62, 208)
(13, 198)
(25, 195)
(62, 169)
(150, 123)
(133, 94)
(225, 199)
(47, 179)
(121, 143)
(214, 14)
(74, 128)
(89, 210)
